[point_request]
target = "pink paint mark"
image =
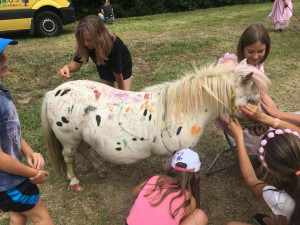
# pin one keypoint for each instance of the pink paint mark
(111, 116)
(97, 94)
(147, 96)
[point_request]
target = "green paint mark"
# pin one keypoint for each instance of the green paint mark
(125, 143)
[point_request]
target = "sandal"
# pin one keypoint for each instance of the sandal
(259, 218)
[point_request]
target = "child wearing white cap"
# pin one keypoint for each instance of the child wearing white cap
(19, 195)
(173, 198)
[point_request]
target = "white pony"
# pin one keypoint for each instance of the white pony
(125, 126)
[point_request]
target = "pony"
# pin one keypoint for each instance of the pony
(127, 126)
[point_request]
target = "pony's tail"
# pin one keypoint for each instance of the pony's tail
(52, 144)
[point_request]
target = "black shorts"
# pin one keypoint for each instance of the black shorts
(20, 198)
(112, 78)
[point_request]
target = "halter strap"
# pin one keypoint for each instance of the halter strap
(232, 103)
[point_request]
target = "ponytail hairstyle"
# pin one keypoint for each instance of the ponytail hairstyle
(253, 34)
(101, 37)
(177, 181)
(281, 155)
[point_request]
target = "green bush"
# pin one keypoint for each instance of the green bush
(128, 8)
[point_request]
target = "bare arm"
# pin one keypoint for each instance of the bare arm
(253, 183)
(10, 165)
(268, 104)
(136, 191)
(34, 159)
(119, 79)
(67, 69)
(253, 112)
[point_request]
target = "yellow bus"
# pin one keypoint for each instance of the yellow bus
(42, 17)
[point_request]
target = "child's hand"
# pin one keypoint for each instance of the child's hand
(251, 111)
(64, 72)
(35, 160)
(269, 105)
(40, 177)
(233, 127)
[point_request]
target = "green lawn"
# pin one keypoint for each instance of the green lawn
(162, 47)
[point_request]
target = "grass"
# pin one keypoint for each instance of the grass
(162, 47)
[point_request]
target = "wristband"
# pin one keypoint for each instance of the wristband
(276, 123)
(36, 176)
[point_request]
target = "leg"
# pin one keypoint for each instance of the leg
(68, 154)
(109, 83)
(17, 218)
(85, 150)
(39, 214)
(197, 217)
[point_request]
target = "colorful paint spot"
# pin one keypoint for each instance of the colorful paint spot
(127, 109)
(97, 94)
(50, 122)
(147, 96)
(195, 130)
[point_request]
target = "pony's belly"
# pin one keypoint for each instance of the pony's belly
(123, 154)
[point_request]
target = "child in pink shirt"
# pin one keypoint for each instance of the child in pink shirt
(171, 199)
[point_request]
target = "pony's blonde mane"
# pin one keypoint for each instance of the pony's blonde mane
(210, 87)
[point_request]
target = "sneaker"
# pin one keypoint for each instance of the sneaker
(259, 218)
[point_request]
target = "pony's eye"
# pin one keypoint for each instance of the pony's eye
(251, 101)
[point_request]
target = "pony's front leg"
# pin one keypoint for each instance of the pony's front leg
(85, 150)
(69, 157)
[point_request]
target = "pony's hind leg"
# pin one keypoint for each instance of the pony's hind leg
(69, 158)
(85, 150)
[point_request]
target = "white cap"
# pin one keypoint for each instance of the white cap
(189, 157)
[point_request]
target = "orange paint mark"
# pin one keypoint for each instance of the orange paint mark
(127, 109)
(151, 110)
(154, 121)
(50, 122)
(195, 130)
(142, 106)
(147, 106)
(181, 121)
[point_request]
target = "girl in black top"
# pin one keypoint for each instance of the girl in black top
(108, 52)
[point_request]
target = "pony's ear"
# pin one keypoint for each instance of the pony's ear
(244, 62)
(247, 78)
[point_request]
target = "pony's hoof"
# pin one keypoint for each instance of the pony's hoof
(76, 187)
(103, 175)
